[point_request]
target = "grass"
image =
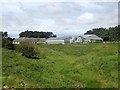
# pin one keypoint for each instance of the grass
(93, 65)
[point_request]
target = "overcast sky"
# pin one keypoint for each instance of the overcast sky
(73, 17)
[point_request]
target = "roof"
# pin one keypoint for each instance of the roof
(68, 38)
(55, 41)
(92, 36)
(29, 39)
(55, 38)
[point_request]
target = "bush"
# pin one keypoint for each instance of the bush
(10, 46)
(7, 43)
(27, 50)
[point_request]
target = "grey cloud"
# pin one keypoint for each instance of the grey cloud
(64, 15)
(51, 9)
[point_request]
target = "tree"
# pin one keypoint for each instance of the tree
(89, 32)
(5, 34)
(36, 34)
(54, 35)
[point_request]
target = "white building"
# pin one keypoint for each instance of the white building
(55, 40)
(91, 38)
(83, 39)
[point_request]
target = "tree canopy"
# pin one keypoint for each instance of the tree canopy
(4, 34)
(36, 34)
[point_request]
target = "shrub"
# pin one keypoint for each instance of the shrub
(27, 50)
(7, 43)
(10, 46)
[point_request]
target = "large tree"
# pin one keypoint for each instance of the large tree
(36, 34)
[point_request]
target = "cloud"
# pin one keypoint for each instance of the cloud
(59, 1)
(86, 18)
(62, 18)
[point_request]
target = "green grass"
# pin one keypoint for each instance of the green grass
(93, 65)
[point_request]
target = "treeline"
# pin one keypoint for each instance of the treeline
(36, 34)
(110, 34)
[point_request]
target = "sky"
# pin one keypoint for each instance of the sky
(62, 17)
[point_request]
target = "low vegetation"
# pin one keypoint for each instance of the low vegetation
(93, 65)
(27, 50)
(7, 43)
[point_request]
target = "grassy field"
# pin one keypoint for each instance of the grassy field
(93, 65)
